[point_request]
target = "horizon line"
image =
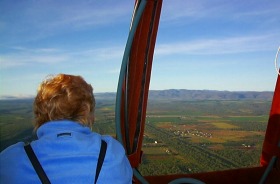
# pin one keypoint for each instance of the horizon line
(28, 96)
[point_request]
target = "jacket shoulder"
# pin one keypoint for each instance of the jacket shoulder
(12, 150)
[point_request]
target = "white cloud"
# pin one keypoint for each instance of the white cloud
(84, 16)
(183, 11)
(23, 56)
(102, 54)
(228, 45)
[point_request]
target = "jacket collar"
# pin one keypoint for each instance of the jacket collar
(60, 127)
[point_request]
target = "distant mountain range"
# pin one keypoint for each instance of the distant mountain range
(184, 94)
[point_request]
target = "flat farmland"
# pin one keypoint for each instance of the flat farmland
(180, 136)
(213, 138)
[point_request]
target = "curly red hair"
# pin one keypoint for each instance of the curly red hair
(64, 97)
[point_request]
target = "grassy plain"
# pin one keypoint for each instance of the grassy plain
(180, 136)
(15, 122)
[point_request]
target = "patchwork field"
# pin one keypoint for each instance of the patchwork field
(212, 138)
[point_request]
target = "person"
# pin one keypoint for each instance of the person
(66, 148)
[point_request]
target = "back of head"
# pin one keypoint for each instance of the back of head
(64, 97)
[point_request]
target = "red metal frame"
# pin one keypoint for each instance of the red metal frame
(140, 65)
(271, 143)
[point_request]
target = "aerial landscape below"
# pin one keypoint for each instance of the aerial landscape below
(187, 131)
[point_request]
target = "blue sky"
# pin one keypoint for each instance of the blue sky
(201, 44)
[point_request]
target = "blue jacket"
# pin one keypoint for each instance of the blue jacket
(68, 153)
